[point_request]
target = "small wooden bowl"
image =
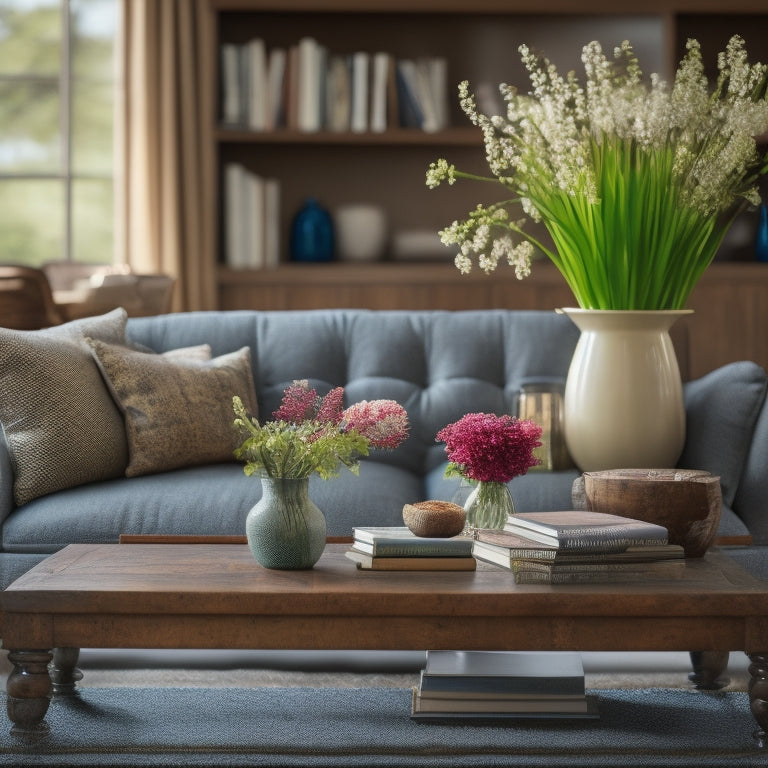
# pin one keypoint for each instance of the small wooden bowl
(687, 502)
(434, 519)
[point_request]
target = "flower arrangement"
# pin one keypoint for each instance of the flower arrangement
(312, 434)
(636, 183)
(483, 447)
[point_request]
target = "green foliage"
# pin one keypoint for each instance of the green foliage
(636, 184)
(283, 449)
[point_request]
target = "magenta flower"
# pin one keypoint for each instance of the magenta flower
(384, 423)
(489, 448)
(331, 407)
(299, 403)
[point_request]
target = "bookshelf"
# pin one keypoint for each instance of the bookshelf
(479, 42)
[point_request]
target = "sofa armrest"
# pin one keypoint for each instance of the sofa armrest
(722, 411)
(751, 501)
(6, 480)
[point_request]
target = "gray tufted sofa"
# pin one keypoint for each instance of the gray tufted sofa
(439, 365)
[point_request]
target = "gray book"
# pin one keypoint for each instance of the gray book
(580, 530)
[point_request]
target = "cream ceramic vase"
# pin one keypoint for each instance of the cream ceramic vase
(623, 395)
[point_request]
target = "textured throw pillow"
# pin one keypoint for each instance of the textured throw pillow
(61, 425)
(177, 413)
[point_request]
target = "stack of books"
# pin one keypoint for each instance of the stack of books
(397, 549)
(307, 87)
(489, 684)
(577, 547)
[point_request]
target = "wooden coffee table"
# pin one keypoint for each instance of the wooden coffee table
(217, 596)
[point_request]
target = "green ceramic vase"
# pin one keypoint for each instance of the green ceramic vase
(285, 530)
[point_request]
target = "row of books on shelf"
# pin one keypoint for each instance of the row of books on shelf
(308, 88)
(251, 219)
(491, 684)
(564, 547)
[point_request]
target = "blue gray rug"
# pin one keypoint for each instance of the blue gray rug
(331, 727)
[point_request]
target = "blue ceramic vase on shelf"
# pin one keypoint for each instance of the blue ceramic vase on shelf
(761, 240)
(312, 233)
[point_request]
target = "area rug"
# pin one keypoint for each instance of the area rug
(331, 727)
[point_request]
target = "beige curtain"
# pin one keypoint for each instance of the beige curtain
(165, 190)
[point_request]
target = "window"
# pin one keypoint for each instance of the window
(57, 89)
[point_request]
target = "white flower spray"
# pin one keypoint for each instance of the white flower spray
(635, 182)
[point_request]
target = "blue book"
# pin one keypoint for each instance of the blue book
(479, 674)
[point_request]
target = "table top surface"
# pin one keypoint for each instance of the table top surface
(196, 579)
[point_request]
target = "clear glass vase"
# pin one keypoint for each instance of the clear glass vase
(487, 506)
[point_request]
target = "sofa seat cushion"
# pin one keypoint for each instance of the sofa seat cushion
(208, 500)
(177, 411)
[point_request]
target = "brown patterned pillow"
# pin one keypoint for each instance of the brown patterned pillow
(60, 423)
(177, 413)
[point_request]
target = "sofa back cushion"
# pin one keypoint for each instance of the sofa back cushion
(438, 365)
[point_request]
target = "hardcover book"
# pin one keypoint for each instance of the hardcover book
(508, 672)
(370, 563)
(504, 548)
(580, 531)
(398, 541)
(527, 572)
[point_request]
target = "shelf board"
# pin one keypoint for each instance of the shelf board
(504, 7)
(470, 136)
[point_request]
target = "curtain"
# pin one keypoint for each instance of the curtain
(166, 195)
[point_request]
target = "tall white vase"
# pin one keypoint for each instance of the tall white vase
(624, 396)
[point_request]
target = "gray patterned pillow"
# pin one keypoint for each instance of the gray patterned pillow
(61, 425)
(177, 413)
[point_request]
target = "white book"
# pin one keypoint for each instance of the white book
(309, 74)
(271, 223)
(438, 82)
(276, 69)
(379, 87)
(254, 221)
(360, 91)
(257, 85)
(234, 246)
(230, 84)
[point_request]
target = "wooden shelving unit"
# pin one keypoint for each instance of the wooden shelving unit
(480, 41)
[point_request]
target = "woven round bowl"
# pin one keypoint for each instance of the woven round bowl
(434, 519)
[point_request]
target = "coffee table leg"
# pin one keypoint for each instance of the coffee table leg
(63, 672)
(758, 695)
(29, 693)
(708, 669)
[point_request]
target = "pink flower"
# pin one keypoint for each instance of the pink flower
(485, 447)
(331, 407)
(383, 422)
(299, 403)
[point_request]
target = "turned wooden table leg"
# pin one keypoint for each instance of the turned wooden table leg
(708, 669)
(758, 695)
(29, 693)
(64, 674)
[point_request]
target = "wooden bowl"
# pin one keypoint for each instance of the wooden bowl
(687, 502)
(434, 519)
